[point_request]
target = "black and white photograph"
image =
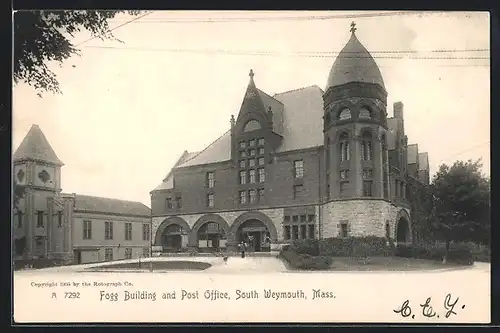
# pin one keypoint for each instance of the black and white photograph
(251, 167)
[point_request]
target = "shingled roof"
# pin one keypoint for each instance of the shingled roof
(35, 146)
(91, 204)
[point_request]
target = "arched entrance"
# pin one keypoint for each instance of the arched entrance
(255, 234)
(172, 234)
(403, 232)
(256, 229)
(209, 233)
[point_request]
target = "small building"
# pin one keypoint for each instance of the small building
(302, 164)
(52, 225)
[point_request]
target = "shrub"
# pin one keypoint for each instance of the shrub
(305, 261)
(457, 254)
(353, 246)
(306, 246)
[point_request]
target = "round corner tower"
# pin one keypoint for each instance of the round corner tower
(355, 127)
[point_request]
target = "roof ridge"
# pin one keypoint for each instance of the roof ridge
(297, 89)
(201, 151)
(108, 198)
(270, 96)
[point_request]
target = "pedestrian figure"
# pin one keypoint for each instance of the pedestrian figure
(242, 249)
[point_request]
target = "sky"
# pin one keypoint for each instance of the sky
(129, 109)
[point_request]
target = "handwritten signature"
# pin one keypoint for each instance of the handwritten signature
(427, 309)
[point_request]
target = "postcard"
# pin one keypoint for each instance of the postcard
(251, 167)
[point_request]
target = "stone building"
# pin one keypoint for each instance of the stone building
(306, 163)
(50, 224)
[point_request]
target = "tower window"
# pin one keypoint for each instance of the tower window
(261, 141)
(252, 176)
(364, 113)
(169, 203)
(262, 175)
(251, 143)
(253, 196)
(261, 160)
(210, 179)
(210, 200)
(345, 114)
(343, 174)
(39, 219)
(243, 145)
(367, 188)
(243, 177)
(242, 164)
(251, 162)
(345, 152)
(261, 194)
(59, 219)
(367, 174)
(366, 146)
(243, 197)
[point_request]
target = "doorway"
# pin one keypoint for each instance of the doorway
(256, 235)
(78, 257)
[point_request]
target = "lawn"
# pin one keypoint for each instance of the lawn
(387, 264)
(157, 265)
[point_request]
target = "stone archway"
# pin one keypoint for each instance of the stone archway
(254, 228)
(403, 228)
(172, 234)
(209, 233)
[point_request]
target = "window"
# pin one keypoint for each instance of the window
(343, 174)
(59, 219)
(243, 145)
(242, 164)
(87, 229)
(367, 174)
(295, 232)
(364, 113)
(367, 188)
(251, 162)
(19, 219)
(243, 154)
(128, 231)
(261, 194)
(251, 143)
(261, 160)
(252, 176)
(312, 218)
(146, 233)
(252, 125)
(345, 152)
(261, 151)
(39, 219)
(261, 141)
(312, 232)
(295, 219)
(345, 114)
(253, 196)
(297, 191)
(243, 197)
(286, 232)
(287, 219)
(210, 200)
(262, 175)
(108, 254)
(366, 146)
(344, 230)
(210, 179)
(303, 231)
(145, 252)
(178, 200)
(169, 203)
(298, 167)
(252, 152)
(343, 188)
(303, 218)
(243, 177)
(128, 253)
(108, 230)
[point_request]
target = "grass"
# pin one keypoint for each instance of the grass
(387, 264)
(158, 265)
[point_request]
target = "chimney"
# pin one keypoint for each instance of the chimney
(398, 110)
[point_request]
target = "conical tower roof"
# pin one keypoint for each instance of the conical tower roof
(35, 146)
(354, 64)
(252, 102)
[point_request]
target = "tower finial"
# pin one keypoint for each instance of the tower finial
(353, 27)
(251, 74)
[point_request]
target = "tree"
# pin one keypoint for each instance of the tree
(18, 192)
(42, 36)
(461, 203)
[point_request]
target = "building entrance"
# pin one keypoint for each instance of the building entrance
(256, 235)
(171, 239)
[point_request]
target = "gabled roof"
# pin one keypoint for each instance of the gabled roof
(412, 153)
(91, 204)
(35, 146)
(423, 161)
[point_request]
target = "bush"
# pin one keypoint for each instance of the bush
(457, 254)
(353, 246)
(305, 261)
(306, 246)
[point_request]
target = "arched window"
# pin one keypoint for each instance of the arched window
(345, 114)
(366, 146)
(345, 153)
(252, 125)
(364, 113)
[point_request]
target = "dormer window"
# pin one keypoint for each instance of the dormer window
(364, 113)
(252, 125)
(345, 114)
